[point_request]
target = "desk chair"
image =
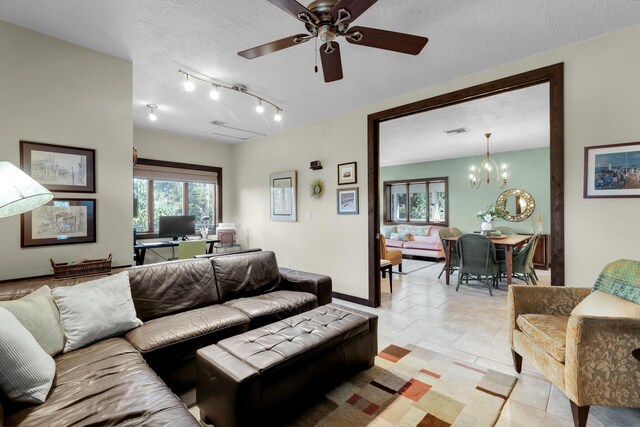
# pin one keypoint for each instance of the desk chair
(189, 249)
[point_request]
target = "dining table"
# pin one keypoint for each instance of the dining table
(506, 241)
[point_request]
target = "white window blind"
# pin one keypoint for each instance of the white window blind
(164, 173)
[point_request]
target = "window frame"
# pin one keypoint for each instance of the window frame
(154, 234)
(387, 185)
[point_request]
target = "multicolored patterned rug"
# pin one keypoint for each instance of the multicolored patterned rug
(413, 386)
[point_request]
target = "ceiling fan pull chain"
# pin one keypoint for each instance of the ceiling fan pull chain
(316, 53)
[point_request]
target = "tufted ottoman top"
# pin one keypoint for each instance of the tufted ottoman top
(324, 326)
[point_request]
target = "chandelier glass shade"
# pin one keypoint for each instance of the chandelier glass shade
(488, 171)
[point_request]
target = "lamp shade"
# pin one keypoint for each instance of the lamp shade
(19, 192)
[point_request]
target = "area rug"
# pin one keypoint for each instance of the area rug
(412, 265)
(412, 386)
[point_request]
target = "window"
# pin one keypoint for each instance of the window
(167, 188)
(416, 201)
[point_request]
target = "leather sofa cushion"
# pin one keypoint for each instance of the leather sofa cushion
(278, 342)
(172, 287)
(274, 306)
(246, 275)
(549, 331)
(107, 383)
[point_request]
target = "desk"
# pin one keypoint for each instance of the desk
(140, 249)
(507, 242)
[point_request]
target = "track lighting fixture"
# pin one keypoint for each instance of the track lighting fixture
(152, 115)
(189, 86)
(215, 93)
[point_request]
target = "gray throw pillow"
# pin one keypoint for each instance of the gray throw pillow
(27, 370)
(38, 313)
(96, 310)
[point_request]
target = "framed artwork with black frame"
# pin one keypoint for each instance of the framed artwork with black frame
(283, 190)
(59, 168)
(612, 170)
(348, 173)
(348, 201)
(59, 222)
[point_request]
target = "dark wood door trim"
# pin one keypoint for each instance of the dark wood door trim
(552, 74)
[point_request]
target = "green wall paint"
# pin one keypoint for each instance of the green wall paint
(527, 169)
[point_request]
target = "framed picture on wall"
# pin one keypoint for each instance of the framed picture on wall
(59, 222)
(283, 188)
(348, 201)
(612, 170)
(347, 173)
(59, 168)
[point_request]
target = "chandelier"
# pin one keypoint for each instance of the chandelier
(488, 171)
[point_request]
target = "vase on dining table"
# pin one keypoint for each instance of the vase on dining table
(486, 224)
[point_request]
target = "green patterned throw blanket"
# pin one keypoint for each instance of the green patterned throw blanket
(622, 279)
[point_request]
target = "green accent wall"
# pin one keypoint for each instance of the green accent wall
(526, 169)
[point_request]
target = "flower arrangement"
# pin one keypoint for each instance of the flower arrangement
(491, 212)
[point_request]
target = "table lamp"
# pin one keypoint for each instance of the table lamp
(19, 192)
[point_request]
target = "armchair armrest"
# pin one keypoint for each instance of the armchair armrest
(525, 299)
(600, 369)
(317, 284)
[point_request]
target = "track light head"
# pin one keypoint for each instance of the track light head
(152, 115)
(278, 116)
(188, 84)
(215, 93)
(259, 107)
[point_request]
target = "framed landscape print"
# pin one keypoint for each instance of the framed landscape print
(60, 222)
(59, 168)
(347, 173)
(612, 170)
(283, 187)
(348, 201)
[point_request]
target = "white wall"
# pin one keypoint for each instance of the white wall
(602, 101)
(56, 92)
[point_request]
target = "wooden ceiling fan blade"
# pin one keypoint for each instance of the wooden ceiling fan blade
(331, 62)
(355, 7)
(294, 8)
(275, 46)
(389, 40)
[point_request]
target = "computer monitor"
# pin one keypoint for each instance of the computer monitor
(177, 226)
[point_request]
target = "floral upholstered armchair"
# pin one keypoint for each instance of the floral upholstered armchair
(582, 340)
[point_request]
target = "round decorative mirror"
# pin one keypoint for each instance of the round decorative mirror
(316, 189)
(518, 203)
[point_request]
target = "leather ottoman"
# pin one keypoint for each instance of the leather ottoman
(267, 374)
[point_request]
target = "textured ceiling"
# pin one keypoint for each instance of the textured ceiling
(160, 36)
(518, 120)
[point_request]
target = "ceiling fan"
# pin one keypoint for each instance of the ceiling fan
(329, 19)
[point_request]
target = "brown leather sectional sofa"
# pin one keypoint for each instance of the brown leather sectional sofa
(185, 305)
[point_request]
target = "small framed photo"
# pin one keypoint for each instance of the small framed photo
(59, 168)
(347, 173)
(283, 196)
(612, 170)
(59, 222)
(348, 201)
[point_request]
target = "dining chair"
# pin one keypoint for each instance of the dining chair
(454, 262)
(506, 230)
(191, 248)
(478, 258)
(522, 265)
(393, 255)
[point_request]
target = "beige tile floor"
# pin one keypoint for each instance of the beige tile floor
(472, 326)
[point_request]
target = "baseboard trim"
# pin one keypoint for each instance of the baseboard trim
(350, 298)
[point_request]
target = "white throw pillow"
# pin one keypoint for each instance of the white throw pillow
(38, 313)
(95, 310)
(606, 305)
(27, 371)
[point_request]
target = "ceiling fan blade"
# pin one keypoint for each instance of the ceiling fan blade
(275, 46)
(294, 8)
(331, 63)
(389, 40)
(355, 7)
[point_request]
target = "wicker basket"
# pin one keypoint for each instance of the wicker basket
(81, 268)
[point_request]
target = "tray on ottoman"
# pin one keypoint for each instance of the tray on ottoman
(256, 377)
